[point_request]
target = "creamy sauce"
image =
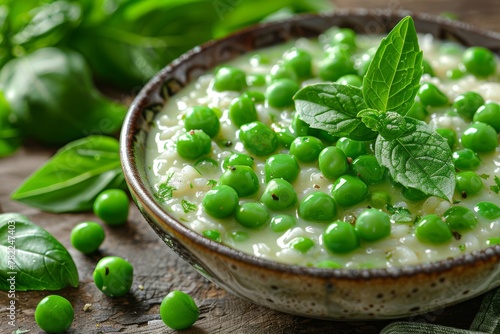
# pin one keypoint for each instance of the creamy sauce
(400, 248)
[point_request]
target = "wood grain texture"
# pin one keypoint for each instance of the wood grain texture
(158, 269)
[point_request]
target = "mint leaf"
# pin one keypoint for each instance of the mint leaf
(393, 77)
(389, 125)
(333, 107)
(420, 159)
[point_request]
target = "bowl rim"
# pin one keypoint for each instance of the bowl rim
(141, 189)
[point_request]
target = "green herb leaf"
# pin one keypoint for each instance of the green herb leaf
(71, 180)
(334, 108)
(399, 214)
(496, 188)
(40, 262)
(187, 206)
(420, 159)
(389, 125)
(53, 98)
(393, 77)
(165, 190)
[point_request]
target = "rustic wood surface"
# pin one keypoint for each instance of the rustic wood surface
(158, 269)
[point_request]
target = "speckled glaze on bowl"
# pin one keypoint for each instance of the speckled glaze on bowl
(334, 294)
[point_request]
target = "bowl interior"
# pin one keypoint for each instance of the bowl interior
(191, 65)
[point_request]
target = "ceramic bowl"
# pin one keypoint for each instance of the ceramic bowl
(312, 292)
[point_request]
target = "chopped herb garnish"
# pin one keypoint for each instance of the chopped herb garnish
(165, 190)
(462, 247)
(187, 206)
(414, 154)
(484, 176)
(496, 187)
(212, 183)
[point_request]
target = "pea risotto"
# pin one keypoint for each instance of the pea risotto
(247, 155)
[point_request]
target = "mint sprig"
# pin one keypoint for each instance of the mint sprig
(415, 155)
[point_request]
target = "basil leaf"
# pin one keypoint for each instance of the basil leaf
(39, 261)
(71, 180)
(420, 159)
(334, 108)
(53, 98)
(393, 77)
(389, 125)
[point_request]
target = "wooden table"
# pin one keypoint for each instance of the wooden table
(158, 269)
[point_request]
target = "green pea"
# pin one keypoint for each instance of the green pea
(285, 136)
(350, 79)
(282, 70)
(242, 179)
(220, 201)
(258, 138)
(349, 190)
(332, 162)
(54, 314)
(112, 206)
(328, 264)
(279, 94)
(455, 74)
(306, 148)
(279, 195)
(480, 137)
(373, 224)
(256, 80)
(87, 237)
(237, 159)
(178, 310)
(254, 95)
(460, 218)
(488, 210)
(317, 206)
(202, 118)
(418, 111)
(479, 61)
(362, 63)
(367, 168)
(334, 66)
(242, 111)
(239, 236)
(380, 199)
(113, 276)
(489, 113)
(430, 95)
(282, 166)
(428, 68)
(340, 237)
(252, 214)
(302, 244)
(299, 127)
(229, 78)
(259, 59)
(282, 222)
(465, 159)
(343, 36)
(413, 194)
(466, 104)
(193, 144)
(493, 241)
(449, 135)
(206, 166)
(468, 183)
(213, 235)
(351, 148)
(431, 229)
(300, 61)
